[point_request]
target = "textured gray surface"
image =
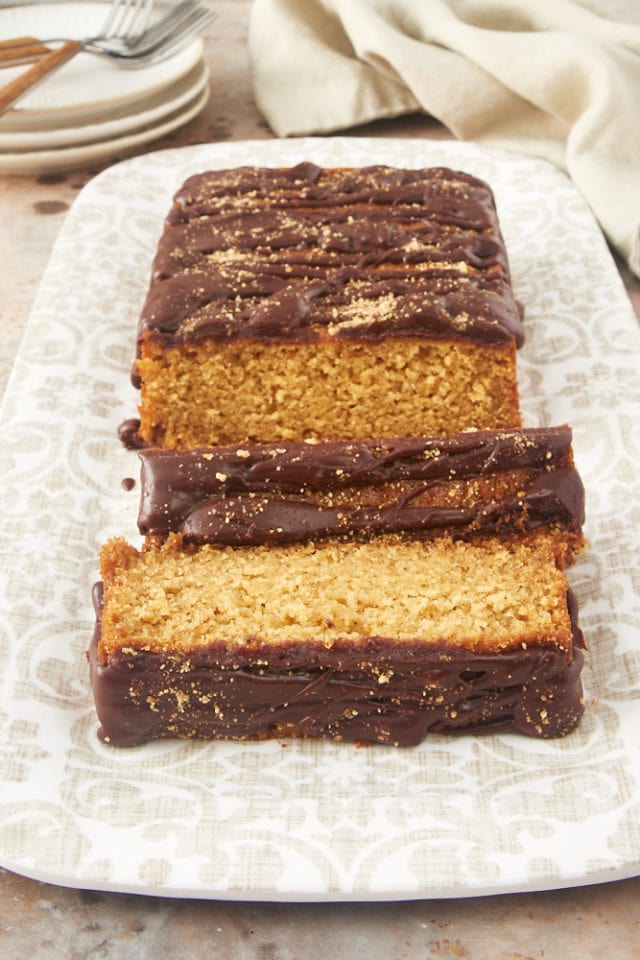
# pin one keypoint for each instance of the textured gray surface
(39, 922)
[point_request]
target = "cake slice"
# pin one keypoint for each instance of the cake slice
(374, 591)
(493, 482)
(327, 303)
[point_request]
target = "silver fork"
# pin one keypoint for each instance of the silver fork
(162, 39)
(126, 20)
(118, 38)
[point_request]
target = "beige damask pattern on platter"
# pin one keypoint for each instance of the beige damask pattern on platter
(306, 820)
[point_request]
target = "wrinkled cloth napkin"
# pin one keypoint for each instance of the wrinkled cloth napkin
(550, 78)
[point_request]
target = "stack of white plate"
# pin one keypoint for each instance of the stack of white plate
(91, 108)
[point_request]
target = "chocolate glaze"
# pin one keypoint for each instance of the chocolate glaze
(128, 434)
(336, 693)
(290, 492)
(272, 254)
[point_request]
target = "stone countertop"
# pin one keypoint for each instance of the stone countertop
(39, 921)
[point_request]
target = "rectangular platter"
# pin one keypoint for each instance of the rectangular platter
(306, 820)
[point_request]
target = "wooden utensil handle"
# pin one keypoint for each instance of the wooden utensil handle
(26, 81)
(21, 50)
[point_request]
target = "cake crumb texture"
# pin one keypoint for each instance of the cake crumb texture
(233, 392)
(485, 596)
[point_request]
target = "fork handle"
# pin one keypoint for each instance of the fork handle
(12, 91)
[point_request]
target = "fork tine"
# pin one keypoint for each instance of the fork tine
(129, 18)
(140, 18)
(111, 17)
(171, 21)
(172, 44)
(180, 31)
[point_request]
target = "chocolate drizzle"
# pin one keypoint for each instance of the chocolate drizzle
(128, 434)
(291, 492)
(305, 253)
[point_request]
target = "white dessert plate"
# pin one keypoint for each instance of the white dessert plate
(453, 817)
(70, 158)
(87, 88)
(157, 108)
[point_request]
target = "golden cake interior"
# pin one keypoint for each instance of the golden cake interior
(485, 596)
(219, 393)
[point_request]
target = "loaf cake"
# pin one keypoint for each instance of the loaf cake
(365, 591)
(296, 303)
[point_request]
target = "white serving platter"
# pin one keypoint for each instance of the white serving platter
(305, 820)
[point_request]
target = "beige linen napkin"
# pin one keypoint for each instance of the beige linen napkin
(545, 77)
